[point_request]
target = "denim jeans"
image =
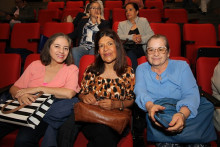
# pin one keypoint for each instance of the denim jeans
(55, 117)
(80, 51)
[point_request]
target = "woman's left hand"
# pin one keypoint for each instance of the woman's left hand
(177, 123)
(26, 90)
(138, 39)
(106, 104)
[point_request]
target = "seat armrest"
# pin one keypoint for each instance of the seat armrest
(3, 89)
(193, 20)
(164, 19)
(4, 40)
(189, 42)
(210, 98)
(33, 40)
(56, 20)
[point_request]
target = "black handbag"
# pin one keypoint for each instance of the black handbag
(130, 45)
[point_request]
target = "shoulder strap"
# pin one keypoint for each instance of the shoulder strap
(19, 107)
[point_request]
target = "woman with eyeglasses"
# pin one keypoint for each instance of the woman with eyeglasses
(160, 79)
(135, 31)
(86, 31)
(85, 14)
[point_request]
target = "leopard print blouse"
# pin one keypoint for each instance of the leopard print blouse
(117, 89)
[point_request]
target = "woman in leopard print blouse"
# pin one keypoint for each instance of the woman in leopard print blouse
(109, 83)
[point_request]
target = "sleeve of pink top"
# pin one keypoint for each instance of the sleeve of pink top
(72, 78)
(22, 82)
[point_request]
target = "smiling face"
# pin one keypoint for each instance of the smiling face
(59, 50)
(131, 12)
(157, 52)
(107, 49)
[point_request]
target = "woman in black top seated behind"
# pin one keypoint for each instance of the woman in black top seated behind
(135, 31)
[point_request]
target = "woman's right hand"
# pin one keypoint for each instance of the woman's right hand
(136, 38)
(26, 99)
(152, 109)
(89, 99)
(98, 18)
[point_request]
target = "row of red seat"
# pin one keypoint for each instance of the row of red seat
(194, 36)
(107, 4)
(154, 15)
(57, 11)
(118, 14)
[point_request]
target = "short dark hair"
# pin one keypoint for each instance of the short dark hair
(45, 53)
(134, 5)
(120, 63)
(157, 36)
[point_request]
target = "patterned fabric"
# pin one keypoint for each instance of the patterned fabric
(117, 89)
(88, 35)
(182, 145)
(30, 115)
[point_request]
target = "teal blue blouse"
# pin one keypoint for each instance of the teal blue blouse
(177, 82)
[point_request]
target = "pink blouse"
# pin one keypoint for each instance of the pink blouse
(33, 76)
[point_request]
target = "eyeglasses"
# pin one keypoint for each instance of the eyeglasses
(94, 8)
(161, 50)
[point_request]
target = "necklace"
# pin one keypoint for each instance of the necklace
(158, 76)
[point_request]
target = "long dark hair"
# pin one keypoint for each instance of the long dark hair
(120, 62)
(45, 53)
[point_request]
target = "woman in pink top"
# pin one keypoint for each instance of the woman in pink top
(55, 74)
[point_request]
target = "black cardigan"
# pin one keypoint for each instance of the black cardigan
(77, 33)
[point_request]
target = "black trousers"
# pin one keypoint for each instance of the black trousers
(68, 132)
(100, 135)
(27, 137)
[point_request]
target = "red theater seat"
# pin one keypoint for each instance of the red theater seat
(4, 36)
(11, 69)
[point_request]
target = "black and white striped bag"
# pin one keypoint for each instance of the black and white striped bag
(29, 115)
